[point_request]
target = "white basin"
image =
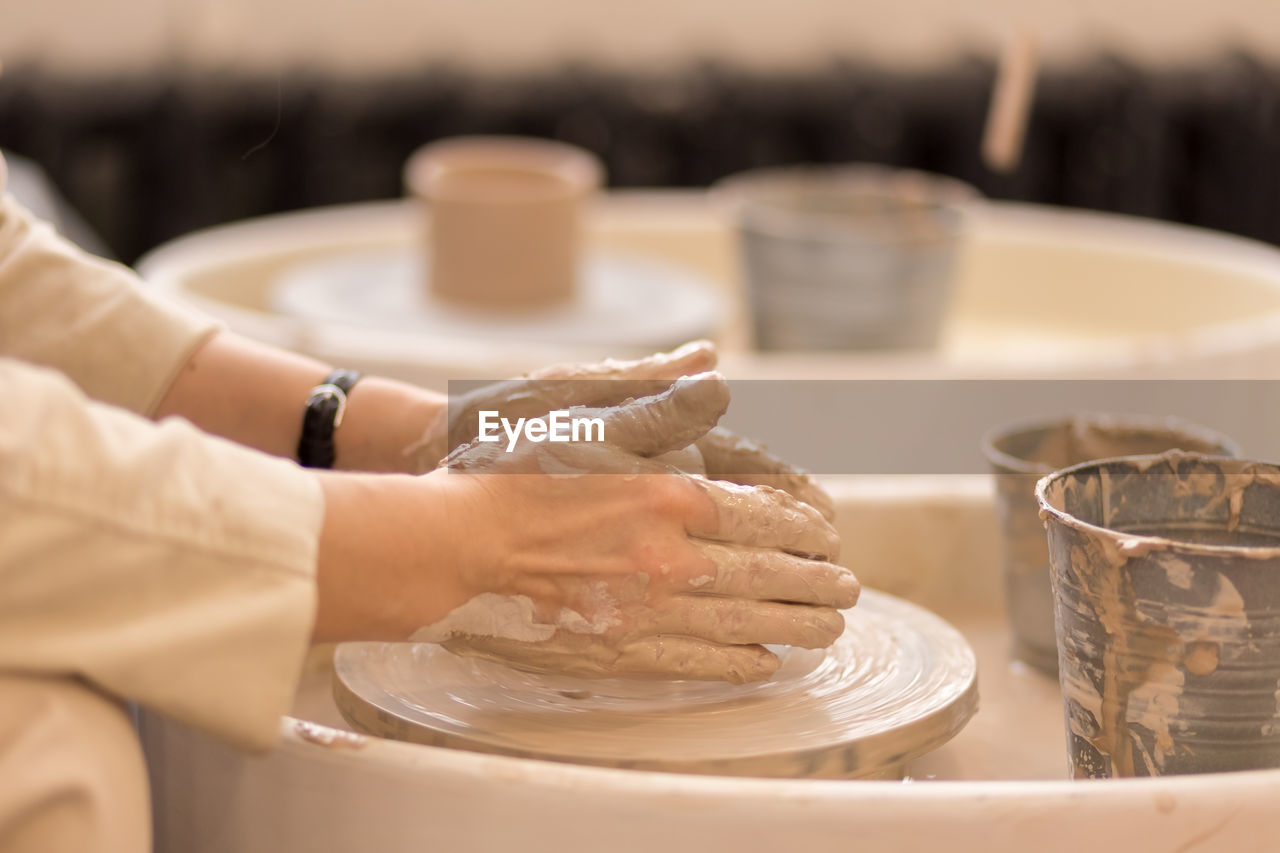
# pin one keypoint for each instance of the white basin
(998, 787)
(1040, 292)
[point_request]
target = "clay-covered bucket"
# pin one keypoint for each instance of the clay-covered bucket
(1021, 453)
(1166, 575)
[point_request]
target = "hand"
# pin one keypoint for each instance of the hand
(599, 559)
(560, 386)
(727, 456)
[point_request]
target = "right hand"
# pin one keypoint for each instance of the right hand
(597, 559)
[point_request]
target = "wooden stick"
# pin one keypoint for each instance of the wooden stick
(1010, 102)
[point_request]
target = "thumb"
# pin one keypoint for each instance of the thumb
(693, 357)
(670, 420)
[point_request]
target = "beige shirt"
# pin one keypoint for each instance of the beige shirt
(157, 562)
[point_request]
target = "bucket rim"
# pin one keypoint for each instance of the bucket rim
(1154, 423)
(1161, 543)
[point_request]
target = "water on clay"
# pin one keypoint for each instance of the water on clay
(898, 683)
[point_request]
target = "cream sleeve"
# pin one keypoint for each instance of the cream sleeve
(157, 562)
(88, 318)
(162, 564)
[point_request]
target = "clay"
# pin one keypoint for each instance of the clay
(669, 656)
(1164, 575)
(765, 517)
(1201, 658)
(749, 463)
(328, 737)
(760, 573)
(491, 615)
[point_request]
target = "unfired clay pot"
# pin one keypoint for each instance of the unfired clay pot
(504, 216)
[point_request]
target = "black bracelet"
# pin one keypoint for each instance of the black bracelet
(323, 414)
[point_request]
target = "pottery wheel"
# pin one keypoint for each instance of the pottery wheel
(623, 301)
(899, 683)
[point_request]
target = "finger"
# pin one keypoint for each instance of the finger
(564, 459)
(740, 621)
(693, 357)
(594, 657)
(534, 398)
(764, 517)
(687, 459)
(675, 418)
(770, 575)
(729, 456)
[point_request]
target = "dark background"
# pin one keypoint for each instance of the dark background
(147, 159)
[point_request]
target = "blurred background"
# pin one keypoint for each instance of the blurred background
(157, 117)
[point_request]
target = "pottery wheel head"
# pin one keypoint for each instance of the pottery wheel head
(899, 683)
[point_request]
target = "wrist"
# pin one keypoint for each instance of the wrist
(391, 427)
(322, 416)
(386, 564)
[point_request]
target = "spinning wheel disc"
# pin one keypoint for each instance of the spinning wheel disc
(899, 682)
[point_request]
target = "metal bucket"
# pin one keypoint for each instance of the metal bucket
(1166, 573)
(1022, 453)
(847, 257)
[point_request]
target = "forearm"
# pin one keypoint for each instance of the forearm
(254, 394)
(387, 556)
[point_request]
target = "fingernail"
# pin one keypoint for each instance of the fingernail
(850, 590)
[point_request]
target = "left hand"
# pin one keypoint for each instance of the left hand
(609, 383)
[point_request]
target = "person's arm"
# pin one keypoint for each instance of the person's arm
(189, 573)
(87, 318)
(254, 394)
(161, 564)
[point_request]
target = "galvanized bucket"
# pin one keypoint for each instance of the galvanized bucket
(1166, 574)
(1023, 452)
(847, 257)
